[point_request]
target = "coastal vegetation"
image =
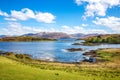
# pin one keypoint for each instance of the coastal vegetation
(23, 66)
(110, 39)
(105, 55)
(24, 38)
(112, 55)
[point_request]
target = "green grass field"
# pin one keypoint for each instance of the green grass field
(12, 68)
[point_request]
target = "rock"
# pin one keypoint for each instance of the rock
(77, 44)
(74, 49)
(91, 59)
(2, 53)
(92, 53)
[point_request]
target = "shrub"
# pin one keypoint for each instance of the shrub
(9, 53)
(20, 56)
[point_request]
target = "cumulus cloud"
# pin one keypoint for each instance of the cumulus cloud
(97, 7)
(26, 14)
(45, 17)
(111, 22)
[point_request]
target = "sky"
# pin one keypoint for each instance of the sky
(19, 17)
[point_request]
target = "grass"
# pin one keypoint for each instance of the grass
(12, 70)
(110, 54)
(20, 67)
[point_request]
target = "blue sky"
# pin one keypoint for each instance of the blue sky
(70, 16)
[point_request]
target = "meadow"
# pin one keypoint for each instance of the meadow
(23, 67)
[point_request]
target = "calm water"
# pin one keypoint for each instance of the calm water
(52, 51)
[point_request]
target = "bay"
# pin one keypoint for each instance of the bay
(52, 50)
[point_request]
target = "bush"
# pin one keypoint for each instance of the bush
(20, 56)
(9, 53)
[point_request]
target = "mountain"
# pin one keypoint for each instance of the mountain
(77, 35)
(2, 36)
(80, 35)
(54, 35)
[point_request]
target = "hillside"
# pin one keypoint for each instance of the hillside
(108, 38)
(2, 36)
(53, 35)
(80, 35)
(25, 38)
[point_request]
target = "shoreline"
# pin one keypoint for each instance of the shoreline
(27, 58)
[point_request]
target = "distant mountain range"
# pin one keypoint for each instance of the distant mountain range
(80, 35)
(55, 35)
(2, 36)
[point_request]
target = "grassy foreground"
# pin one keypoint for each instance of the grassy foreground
(111, 55)
(21, 67)
(12, 70)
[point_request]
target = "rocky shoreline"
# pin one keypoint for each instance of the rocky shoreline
(92, 56)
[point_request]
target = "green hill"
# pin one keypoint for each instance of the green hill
(24, 38)
(111, 39)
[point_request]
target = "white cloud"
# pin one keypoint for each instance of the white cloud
(78, 2)
(84, 25)
(111, 22)
(26, 14)
(15, 28)
(10, 19)
(3, 14)
(78, 29)
(97, 7)
(45, 17)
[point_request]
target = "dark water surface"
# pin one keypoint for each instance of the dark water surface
(52, 51)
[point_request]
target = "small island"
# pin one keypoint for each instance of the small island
(102, 39)
(24, 39)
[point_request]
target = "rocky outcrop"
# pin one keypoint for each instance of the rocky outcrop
(74, 49)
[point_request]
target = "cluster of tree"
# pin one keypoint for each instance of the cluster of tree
(25, 38)
(112, 39)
